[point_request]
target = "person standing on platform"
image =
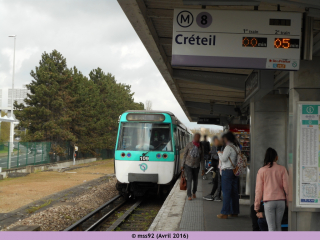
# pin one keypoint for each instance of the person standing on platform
(206, 147)
(193, 159)
(216, 189)
(272, 186)
(229, 181)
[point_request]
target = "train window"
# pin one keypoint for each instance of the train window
(176, 138)
(181, 139)
(145, 137)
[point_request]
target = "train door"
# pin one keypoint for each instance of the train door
(182, 145)
(177, 151)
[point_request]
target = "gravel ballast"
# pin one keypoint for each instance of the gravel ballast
(65, 213)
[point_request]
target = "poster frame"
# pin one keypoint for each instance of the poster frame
(296, 193)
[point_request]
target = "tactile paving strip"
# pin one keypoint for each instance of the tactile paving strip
(192, 216)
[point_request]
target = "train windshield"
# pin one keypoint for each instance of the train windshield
(145, 137)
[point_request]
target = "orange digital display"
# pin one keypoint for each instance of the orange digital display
(286, 43)
(254, 42)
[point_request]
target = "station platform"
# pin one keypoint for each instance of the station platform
(179, 214)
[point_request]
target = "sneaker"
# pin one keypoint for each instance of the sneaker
(208, 197)
(217, 199)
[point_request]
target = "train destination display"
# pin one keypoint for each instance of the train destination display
(236, 39)
(308, 194)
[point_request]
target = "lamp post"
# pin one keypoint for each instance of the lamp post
(11, 123)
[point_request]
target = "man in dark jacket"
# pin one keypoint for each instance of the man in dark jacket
(215, 194)
(206, 147)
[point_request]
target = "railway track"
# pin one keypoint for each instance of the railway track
(120, 214)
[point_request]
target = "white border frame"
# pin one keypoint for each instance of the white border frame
(298, 206)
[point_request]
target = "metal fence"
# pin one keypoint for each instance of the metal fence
(34, 153)
(24, 153)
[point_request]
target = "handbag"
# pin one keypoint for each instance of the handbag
(183, 182)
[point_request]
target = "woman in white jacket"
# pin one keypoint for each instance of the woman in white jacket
(229, 181)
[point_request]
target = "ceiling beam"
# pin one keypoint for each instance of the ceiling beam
(280, 79)
(212, 98)
(210, 92)
(165, 41)
(314, 12)
(216, 109)
(232, 81)
(160, 13)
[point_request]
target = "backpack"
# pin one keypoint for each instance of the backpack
(241, 165)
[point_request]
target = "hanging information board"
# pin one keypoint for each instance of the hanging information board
(309, 155)
(236, 39)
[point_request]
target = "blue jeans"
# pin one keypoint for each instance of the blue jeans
(229, 184)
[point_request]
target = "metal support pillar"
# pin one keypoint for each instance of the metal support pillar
(267, 129)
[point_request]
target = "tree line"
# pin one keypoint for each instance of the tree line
(64, 105)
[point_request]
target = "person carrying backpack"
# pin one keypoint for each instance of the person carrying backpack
(229, 181)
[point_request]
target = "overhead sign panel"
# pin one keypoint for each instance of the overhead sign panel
(236, 39)
(215, 121)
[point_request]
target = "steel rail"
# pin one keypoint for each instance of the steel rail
(124, 216)
(98, 223)
(77, 225)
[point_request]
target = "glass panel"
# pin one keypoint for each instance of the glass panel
(145, 137)
(145, 117)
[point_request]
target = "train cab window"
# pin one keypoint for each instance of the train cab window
(135, 136)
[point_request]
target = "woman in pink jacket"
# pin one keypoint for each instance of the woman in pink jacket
(272, 188)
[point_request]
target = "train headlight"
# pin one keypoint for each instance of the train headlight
(165, 156)
(123, 154)
(158, 155)
(128, 155)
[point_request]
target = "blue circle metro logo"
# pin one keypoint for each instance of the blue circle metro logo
(143, 166)
(185, 19)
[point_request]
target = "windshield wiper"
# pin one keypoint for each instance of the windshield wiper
(144, 154)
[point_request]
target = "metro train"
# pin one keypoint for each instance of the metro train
(149, 152)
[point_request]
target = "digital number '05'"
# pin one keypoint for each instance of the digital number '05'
(282, 43)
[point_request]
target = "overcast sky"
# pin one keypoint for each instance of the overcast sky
(89, 34)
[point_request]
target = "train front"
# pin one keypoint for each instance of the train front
(144, 156)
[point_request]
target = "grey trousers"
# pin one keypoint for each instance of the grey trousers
(274, 211)
(192, 175)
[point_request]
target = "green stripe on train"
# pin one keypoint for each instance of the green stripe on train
(135, 156)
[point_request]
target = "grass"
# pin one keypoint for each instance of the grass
(5, 150)
(36, 208)
(17, 192)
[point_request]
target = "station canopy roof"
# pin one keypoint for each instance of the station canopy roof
(205, 92)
